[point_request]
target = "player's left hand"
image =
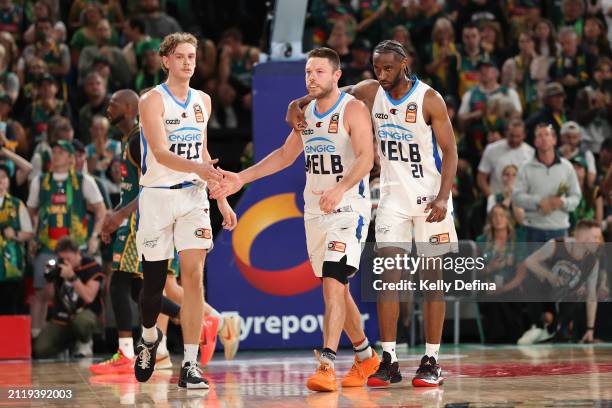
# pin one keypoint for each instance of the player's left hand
(92, 245)
(437, 210)
(329, 199)
(229, 216)
(231, 183)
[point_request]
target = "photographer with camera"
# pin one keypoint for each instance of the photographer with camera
(75, 281)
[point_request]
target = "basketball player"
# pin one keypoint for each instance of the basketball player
(173, 204)
(126, 280)
(337, 144)
(418, 159)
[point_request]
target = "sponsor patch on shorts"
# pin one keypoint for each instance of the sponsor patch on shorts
(439, 239)
(336, 246)
(203, 233)
(117, 258)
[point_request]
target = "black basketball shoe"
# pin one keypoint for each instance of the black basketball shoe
(144, 365)
(191, 377)
(429, 373)
(388, 373)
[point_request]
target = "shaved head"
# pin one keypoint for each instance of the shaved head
(128, 97)
(123, 106)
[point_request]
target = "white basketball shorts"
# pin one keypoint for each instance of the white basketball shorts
(171, 219)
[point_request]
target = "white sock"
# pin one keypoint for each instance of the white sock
(191, 353)
(126, 345)
(389, 347)
(162, 348)
(363, 350)
(432, 350)
(149, 335)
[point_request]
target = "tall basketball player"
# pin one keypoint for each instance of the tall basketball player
(337, 144)
(173, 204)
(418, 158)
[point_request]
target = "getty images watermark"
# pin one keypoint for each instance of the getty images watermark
(411, 264)
(561, 270)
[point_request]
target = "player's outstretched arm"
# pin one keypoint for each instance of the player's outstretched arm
(151, 110)
(364, 91)
(435, 110)
(276, 161)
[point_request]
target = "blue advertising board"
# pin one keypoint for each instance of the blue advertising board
(261, 269)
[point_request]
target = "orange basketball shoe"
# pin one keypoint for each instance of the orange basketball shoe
(361, 370)
(324, 379)
(117, 364)
(208, 339)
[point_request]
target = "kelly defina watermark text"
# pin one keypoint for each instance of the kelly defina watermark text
(411, 264)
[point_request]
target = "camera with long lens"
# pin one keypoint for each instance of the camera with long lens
(52, 269)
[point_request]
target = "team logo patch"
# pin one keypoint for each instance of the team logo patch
(333, 123)
(199, 115)
(393, 111)
(336, 246)
(319, 124)
(124, 171)
(203, 233)
(411, 112)
(421, 200)
(117, 258)
(58, 199)
(439, 239)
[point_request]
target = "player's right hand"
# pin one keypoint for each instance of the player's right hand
(295, 117)
(208, 173)
(231, 183)
(112, 222)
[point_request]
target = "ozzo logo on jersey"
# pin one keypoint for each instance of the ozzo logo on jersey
(186, 142)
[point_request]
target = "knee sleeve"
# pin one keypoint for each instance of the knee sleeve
(339, 271)
(136, 288)
(120, 300)
(169, 308)
(154, 273)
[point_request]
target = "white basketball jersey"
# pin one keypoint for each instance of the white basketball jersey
(185, 129)
(329, 156)
(410, 159)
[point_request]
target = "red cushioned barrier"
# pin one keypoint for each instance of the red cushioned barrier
(15, 341)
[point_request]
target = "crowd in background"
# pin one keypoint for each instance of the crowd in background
(503, 68)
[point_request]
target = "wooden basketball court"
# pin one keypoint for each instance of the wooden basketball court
(477, 376)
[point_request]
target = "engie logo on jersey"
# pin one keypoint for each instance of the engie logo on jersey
(311, 146)
(333, 123)
(411, 112)
(199, 115)
(394, 132)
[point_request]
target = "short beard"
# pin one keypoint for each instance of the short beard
(325, 93)
(115, 121)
